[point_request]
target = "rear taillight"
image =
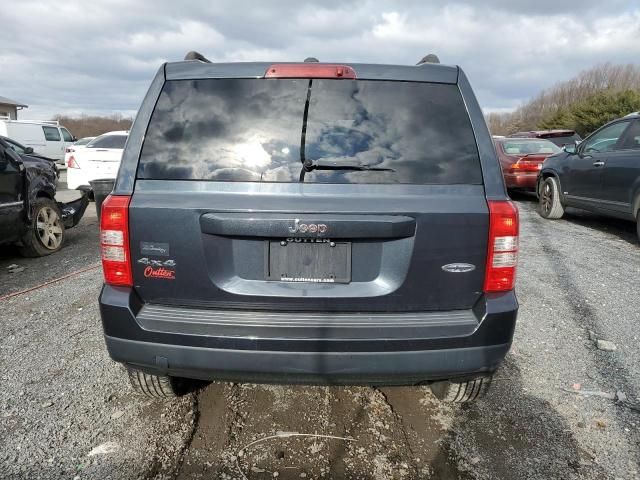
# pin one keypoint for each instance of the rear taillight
(526, 166)
(71, 162)
(502, 257)
(114, 240)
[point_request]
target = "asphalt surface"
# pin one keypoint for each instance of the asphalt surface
(68, 412)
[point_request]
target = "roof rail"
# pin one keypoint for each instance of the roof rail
(53, 123)
(431, 58)
(193, 55)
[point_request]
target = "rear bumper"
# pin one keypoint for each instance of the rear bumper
(77, 179)
(526, 181)
(395, 349)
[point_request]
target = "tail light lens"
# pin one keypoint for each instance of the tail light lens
(114, 241)
(71, 162)
(526, 166)
(502, 255)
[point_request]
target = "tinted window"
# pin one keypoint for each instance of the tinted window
(108, 141)
(529, 147)
(15, 146)
(83, 141)
(605, 140)
(632, 137)
(66, 135)
(51, 134)
(252, 130)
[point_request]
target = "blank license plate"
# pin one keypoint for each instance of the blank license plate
(326, 262)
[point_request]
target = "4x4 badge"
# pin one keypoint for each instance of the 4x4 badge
(157, 263)
(458, 267)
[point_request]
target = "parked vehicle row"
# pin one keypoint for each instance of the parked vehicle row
(47, 138)
(601, 174)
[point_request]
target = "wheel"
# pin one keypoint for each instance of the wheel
(46, 232)
(155, 386)
(550, 204)
(463, 392)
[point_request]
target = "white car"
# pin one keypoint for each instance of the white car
(47, 138)
(98, 159)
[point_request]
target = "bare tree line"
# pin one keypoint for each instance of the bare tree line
(92, 126)
(549, 102)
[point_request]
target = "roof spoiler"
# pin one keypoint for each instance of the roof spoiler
(431, 58)
(193, 55)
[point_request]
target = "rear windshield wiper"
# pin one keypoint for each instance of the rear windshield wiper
(310, 165)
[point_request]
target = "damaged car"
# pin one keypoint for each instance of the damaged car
(29, 215)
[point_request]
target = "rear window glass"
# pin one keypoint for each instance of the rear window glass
(529, 147)
(347, 131)
(108, 141)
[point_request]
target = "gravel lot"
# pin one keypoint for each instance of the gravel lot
(68, 412)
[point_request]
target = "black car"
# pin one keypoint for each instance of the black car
(601, 174)
(29, 215)
(309, 223)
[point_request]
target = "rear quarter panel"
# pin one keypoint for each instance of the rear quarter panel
(491, 171)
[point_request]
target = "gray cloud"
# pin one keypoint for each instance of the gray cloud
(100, 56)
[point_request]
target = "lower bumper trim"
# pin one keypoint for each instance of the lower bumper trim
(350, 368)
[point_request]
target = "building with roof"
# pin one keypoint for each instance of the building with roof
(9, 108)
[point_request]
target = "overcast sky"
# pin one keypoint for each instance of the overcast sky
(99, 56)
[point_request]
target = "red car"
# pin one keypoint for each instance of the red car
(521, 159)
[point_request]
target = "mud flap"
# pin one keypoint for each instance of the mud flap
(73, 211)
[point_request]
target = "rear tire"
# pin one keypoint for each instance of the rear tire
(549, 198)
(154, 386)
(463, 392)
(46, 232)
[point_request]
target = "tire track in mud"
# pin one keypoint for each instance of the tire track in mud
(397, 438)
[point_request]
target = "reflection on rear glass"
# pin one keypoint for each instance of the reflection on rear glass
(250, 130)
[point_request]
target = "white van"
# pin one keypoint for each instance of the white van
(47, 138)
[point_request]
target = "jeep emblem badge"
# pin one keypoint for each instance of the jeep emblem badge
(298, 227)
(458, 267)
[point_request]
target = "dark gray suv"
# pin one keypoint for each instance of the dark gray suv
(601, 174)
(309, 223)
